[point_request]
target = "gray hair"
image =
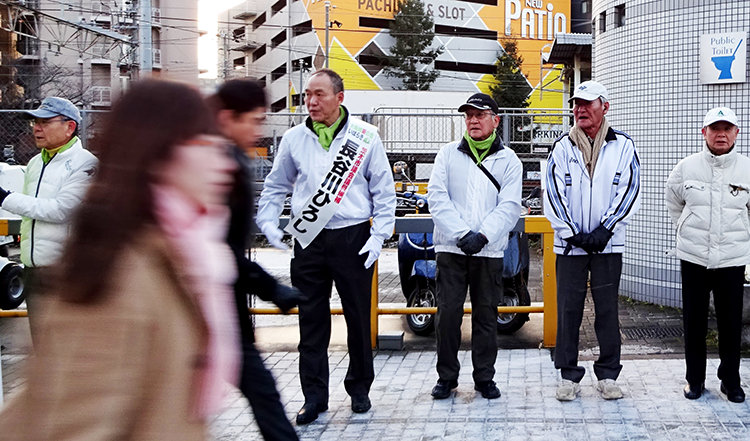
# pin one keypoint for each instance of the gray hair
(336, 81)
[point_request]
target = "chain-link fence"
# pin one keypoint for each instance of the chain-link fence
(414, 136)
(17, 134)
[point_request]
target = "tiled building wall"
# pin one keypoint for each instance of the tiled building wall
(649, 63)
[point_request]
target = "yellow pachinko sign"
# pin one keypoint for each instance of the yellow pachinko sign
(471, 34)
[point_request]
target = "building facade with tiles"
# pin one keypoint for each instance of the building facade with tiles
(648, 55)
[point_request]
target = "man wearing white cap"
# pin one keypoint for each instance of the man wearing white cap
(55, 182)
(592, 187)
(708, 198)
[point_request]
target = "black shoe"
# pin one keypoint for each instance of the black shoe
(488, 389)
(360, 403)
(693, 392)
(443, 388)
(735, 395)
(309, 412)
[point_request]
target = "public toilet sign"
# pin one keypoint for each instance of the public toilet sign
(723, 58)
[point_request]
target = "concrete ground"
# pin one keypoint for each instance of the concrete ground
(652, 378)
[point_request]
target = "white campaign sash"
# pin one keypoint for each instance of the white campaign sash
(322, 205)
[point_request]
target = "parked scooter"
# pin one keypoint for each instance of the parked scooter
(12, 293)
(417, 270)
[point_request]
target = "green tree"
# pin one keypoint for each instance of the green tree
(511, 88)
(412, 28)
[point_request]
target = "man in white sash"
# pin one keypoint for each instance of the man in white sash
(337, 170)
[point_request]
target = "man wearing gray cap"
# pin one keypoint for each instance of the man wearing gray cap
(708, 199)
(592, 184)
(474, 195)
(55, 182)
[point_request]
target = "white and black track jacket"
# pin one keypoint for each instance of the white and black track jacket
(574, 202)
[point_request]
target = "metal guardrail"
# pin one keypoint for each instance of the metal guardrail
(424, 224)
(528, 224)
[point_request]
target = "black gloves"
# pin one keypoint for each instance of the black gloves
(593, 242)
(580, 240)
(3, 194)
(600, 238)
(472, 242)
(286, 297)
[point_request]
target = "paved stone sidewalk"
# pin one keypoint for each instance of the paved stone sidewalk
(653, 407)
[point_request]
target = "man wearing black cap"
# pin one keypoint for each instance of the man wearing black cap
(475, 200)
(54, 184)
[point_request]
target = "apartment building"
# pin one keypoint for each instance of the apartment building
(283, 40)
(89, 50)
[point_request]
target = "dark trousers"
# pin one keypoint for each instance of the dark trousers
(256, 382)
(572, 279)
(333, 257)
(484, 278)
(727, 286)
(259, 386)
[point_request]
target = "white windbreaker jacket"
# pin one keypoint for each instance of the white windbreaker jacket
(51, 193)
(301, 164)
(574, 202)
(463, 199)
(708, 198)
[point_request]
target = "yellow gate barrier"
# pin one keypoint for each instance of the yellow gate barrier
(529, 224)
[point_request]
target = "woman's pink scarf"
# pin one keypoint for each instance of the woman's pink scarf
(198, 234)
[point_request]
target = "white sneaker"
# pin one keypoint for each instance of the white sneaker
(609, 390)
(567, 390)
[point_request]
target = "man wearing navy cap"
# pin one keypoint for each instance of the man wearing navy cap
(475, 200)
(592, 191)
(55, 182)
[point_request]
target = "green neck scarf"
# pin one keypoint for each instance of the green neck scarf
(325, 133)
(48, 154)
(480, 148)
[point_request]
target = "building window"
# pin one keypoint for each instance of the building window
(239, 63)
(465, 32)
(603, 22)
(278, 72)
(278, 6)
(302, 28)
(278, 39)
(302, 63)
(238, 34)
(259, 53)
(585, 6)
(279, 105)
(620, 15)
(259, 21)
(371, 22)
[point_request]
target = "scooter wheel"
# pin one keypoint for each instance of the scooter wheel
(421, 324)
(515, 293)
(12, 293)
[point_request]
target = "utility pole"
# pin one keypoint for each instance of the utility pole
(289, 55)
(224, 35)
(328, 25)
(144, 38)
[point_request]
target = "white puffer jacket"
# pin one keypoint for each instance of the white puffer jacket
(51, 193)
(708, 198)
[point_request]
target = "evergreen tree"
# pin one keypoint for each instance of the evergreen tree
(511, 88)
(412, 28)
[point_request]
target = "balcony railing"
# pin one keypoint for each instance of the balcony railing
(101, 95)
